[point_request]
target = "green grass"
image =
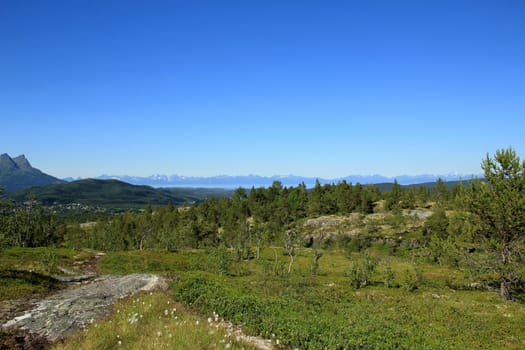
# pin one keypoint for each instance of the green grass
(126, 262)
(300, 310)
(43, 260)
(324, 311)
(308, 313)
(154, 321)
(26, 271)
(16, 284)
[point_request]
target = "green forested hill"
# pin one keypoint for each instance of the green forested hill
(387, 186)
(112, 193)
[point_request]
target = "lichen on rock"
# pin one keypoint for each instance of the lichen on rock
(69, 310)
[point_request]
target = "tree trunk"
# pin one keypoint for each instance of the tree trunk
(291, 263)
(505, 285)
(276, 266)
(141, 244)
(504, 292)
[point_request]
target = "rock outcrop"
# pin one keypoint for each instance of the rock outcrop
(69, 310)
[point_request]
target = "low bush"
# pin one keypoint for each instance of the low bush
(325, 312)
(362, 270)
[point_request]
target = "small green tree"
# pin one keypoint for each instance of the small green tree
(500, 205)
(222, 259)
(394, 197)
(436, 224)
(389, 275)
(317, 254)
(315, 200)
(414, 277)
(440, 193)
(422, 196)
(435, 229)
(289, 245)
(362, 270)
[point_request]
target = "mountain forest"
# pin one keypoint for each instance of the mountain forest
(336, 266)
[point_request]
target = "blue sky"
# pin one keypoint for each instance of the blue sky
(311, 88)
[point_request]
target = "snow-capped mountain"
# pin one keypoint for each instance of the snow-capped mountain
(248, 181)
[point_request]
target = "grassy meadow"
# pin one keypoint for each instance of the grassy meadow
(154, 321)
(406, 303)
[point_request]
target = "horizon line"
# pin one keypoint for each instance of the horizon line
(152, 176)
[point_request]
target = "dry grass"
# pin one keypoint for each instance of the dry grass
(154, 321)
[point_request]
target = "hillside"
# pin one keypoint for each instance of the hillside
(17, 173)
(111, 193)
(387, 186)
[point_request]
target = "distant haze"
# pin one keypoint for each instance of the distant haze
(265, 181)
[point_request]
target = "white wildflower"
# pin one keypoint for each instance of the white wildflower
(134, 318)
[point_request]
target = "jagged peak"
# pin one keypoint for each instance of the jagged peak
(17, 173)
(22, 162)
(6, 162)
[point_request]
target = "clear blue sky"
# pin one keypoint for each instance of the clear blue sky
(312, 88)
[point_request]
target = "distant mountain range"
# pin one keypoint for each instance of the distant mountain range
(17, 173)
(23, 182)
(226, 181)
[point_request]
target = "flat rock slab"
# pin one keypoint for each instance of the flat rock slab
(70, 310)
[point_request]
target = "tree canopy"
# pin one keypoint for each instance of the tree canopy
(500, 205)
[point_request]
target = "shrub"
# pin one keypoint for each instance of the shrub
(354, 244)
(388, 275)
(414, 278)
(222, 260)
(362, 270)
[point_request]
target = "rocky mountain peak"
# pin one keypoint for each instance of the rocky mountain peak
(22, 162)
(17, 173)
(7, 163)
